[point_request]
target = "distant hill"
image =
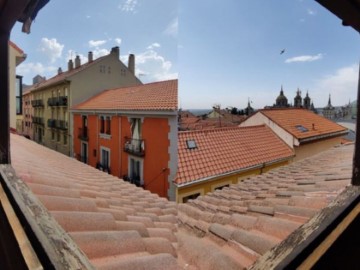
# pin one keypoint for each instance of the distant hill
(198, 112)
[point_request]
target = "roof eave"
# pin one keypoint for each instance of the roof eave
(323, 136)
(214, 177)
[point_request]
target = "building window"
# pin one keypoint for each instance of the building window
(190, 197)
(135, 172)
(52, 135)
(102, 124)
(58, 137)
(135, 128)
(65, 139)
(18, 93)
(105, 159)
(108, 125)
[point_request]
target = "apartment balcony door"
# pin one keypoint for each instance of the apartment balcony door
(84, 152)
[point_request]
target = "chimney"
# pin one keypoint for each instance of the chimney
(116, 51)
(59, 70)
(77, 61)
(131, 63)
(90, 57)
(70, 65)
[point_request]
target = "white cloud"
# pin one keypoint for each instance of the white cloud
(304, 58)
(51, 48)
(172, 28)
(154, 45)
(118, 41)
(151, 66)
(342, 85)
(311, 12)
(129, 6)
(30, 70)
(96, 43)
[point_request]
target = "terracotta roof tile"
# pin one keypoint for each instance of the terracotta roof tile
(158, 96)
(266, 208)
(227, 150)
(227, 229)
(315, 124)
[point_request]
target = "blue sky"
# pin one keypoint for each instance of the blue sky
(65, 28)
(223, 51)
(229, 51)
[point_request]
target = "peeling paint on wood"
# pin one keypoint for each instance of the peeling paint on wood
(60, 249)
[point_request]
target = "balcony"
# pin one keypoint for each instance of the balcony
(135, 147)
(51, 123)
(38, 120)
(61, 124)
(103, 168)
(57, 101)
(83, 134)
(136, 180)
(37, 103)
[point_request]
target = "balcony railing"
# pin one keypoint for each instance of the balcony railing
(61, 124)
(103, 167)
(58, 124)
(37, 103)
(58, 101)
(83, 134)
(38, 120)
(51, 123)
(135, 180)
(135, 147)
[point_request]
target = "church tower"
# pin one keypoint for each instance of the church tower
(307, 101)
(281, 100)
(298, 99)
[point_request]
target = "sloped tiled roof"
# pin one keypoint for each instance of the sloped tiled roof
(12, 44)
(288, 119)
(245, 220)
(65, 75)
(116, 224)
(120, 226)
(157, 96)
(225, 150)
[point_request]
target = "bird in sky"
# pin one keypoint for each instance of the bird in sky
(282, 51)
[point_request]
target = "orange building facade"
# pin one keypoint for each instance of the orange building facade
(136, 144)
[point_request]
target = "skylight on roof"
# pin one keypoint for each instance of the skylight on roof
(191, 144)
(301, 128)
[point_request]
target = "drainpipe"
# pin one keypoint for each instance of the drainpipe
(356, 162)
(4, 100)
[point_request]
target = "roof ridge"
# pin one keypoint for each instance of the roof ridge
(221, 128)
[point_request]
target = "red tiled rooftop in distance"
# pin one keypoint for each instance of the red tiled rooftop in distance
(288, 119)
(245, 220)
(12, 44)
(64, 75)
(225, 150)
(158, 96)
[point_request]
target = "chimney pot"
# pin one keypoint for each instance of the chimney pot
(131, 63)
(116, 51)
(59, 70)
(77, 61)
(90, 57)
(70, 65)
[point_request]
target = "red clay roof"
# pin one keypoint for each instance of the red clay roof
(315, 124)
(120, 226)
(225, 150)
(12, 44)
(246, 220)
(65, 75)
(158, 96)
